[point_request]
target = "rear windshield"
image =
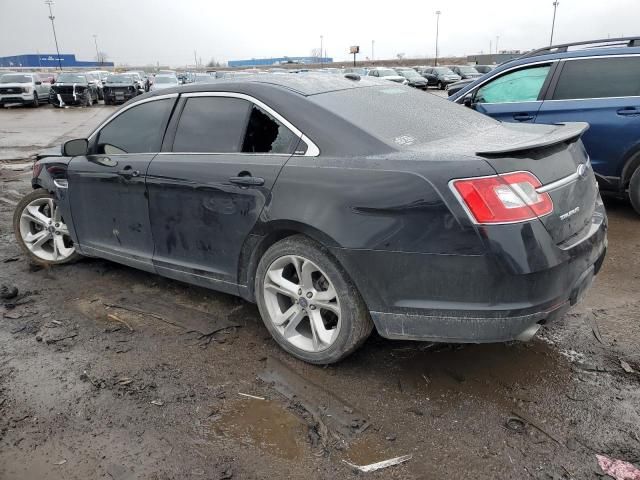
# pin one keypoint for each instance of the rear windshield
(402, 117)
(9, 78)
(119, 79)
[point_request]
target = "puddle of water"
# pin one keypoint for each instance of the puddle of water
(369, 449)
(266, 425)
(492, 372)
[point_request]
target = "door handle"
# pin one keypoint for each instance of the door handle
(628, 111)
(522, 117)
(247, 181)
(128, 172)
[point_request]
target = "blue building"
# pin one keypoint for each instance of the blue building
(46, 60)
(270, 62)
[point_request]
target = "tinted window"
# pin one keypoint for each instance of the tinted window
(212, 124)
(599, 78)
(138, 130)
(402, 117)
(519, 86)
(265, 134)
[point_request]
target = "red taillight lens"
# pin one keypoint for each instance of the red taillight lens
(37, 168)
(506, 198)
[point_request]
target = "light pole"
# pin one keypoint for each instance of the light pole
(321, 38)
(95, 40)
(438, 12)
(553, 22)
(497, 40)
(372, 49)
(53, 26)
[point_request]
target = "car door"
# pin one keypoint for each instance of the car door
(107, 191)
(206, 192)
(514, 96)
(605, 92)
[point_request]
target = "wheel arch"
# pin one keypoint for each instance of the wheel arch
(631, 163)
(259, 241)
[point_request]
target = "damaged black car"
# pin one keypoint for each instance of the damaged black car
(73, 89)
(337, 205)
(119, 88)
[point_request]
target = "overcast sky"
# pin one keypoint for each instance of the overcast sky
(145, 32)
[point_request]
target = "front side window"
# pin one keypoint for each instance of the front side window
(599, 78)
(138, 130)
(519, 86)
(212, 125)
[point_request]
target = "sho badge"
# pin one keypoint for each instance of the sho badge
(570, 213)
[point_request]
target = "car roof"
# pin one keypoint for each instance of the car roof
(305, 85)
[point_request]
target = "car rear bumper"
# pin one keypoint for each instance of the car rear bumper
(476, 298)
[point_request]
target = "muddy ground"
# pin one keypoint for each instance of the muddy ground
(95, 391)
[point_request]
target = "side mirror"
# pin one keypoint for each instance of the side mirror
(75, 148)
(468, 101)
(38, 83)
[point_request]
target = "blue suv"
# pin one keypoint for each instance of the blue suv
(596, 82)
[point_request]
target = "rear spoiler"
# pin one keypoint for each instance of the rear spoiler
(562, 133)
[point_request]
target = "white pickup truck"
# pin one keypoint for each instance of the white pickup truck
(24, 89)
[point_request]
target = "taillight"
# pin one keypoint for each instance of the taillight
(37, 168)
(506, 198)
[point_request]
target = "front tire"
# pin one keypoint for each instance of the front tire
(36, 101)
(308, 303)
(40, 230)
(440, 86)
(634, 190)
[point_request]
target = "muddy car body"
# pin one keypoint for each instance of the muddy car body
(73, 89)
(299, 194)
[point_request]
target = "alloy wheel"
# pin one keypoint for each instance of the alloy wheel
(44, 232)
(302, 303)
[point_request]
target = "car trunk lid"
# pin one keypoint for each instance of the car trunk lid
(554, 154)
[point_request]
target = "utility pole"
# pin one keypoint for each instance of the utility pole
(53, 26)
(497, 40)
(553, 22)
(490, 47)
(438, 12)
(321, 39)
(372, 49)
(195, 59)
(95, 40)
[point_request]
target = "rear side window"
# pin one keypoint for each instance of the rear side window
(599, 78)
(265, 134)
(138, 130)
(519, 86)
(212, 125)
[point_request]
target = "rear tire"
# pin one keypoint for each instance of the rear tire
(322, 291)
(634, 190)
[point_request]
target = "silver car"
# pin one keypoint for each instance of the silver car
(24, 89)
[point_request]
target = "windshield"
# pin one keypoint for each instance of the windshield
(387, 73)
(119, 79)
(15, 78)
(464, 69)
(166, 80)
(410, 74)
(71, 78)
(412, 111)
(443, 71)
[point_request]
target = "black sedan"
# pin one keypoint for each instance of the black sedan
(338, 205)
(73, 89)
(119, 88)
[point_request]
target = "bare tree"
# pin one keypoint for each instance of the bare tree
(101, 57)
(213, 63)
(400, 56)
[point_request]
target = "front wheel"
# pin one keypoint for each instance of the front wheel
(308, 303)
(440, 86)
(41, 231)
(36, 102)
(634, 190)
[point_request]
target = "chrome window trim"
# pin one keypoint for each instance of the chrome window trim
(122, 110)
(517, 67)
(312, 148)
